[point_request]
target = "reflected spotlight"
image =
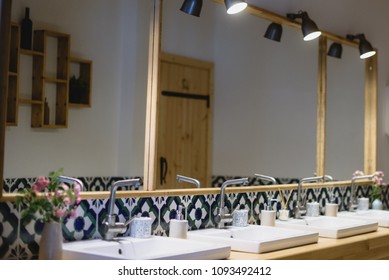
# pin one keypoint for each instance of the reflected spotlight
(365, 48)
(335, 50)
(235, 6)
(192, 7)
(308, 26)
(274, 32)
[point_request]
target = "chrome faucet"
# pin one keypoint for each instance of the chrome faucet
(266, 178)
(353, 203)
(181, 178)
(222, 216)
(71, 180)
(110, 227)
(300, 210)
(274, 182)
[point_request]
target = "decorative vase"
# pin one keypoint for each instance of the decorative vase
(377, 204)
(50, 245)
(26, 31)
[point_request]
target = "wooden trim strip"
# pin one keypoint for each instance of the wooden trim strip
(203, 191)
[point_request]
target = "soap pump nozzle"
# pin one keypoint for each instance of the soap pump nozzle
(269, 201)
(179, 215)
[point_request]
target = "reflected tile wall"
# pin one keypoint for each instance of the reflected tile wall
(19, 241)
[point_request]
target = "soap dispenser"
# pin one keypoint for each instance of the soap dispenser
(178, 227)
(268, 216)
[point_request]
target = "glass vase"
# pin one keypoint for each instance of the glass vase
(377, 204)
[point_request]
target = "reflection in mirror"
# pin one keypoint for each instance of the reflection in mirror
(345, 114)
(107, 139)
(264, 92)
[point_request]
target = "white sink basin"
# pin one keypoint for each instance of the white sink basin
(380, 216)
(332, 227)
(255, 239)
(155, 247)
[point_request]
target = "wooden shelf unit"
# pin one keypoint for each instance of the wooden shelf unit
(13, 77)
(41, 78)
(81, 98)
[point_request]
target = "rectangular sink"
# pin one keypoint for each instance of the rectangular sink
(254, 238)
(380, 216)
(155, 247)
(331, 227)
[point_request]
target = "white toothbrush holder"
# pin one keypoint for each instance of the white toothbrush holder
(141, 227)
(363, 203)
(240, 218)
(178, 228)
(268, 218)
(313, 209)
(331, 209)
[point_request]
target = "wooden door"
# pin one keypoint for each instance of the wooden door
(184, 121)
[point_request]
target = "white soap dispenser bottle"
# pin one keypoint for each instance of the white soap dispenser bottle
(178, 227)
(268, 216)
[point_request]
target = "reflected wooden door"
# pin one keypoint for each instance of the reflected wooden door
(184, 121)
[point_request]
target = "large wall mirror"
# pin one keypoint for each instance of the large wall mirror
(265, 92)
(264, 122)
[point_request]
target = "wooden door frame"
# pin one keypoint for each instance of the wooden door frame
(209, 67)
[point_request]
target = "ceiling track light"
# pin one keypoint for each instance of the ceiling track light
(308, 26)
(365, 48)
(274, 32)
(192, 7)
(335, 50)
(235, 6)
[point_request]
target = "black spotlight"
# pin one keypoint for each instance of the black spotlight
(365, 48)
(274, 32)
(335, 50)
(192, 7)
(308, 26)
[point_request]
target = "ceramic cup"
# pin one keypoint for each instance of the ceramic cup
(268, 218)
(313, 209)
(331, 209)
(363, 203)
(283, 215)
(178, 228)
(240, 217)
(141, 227)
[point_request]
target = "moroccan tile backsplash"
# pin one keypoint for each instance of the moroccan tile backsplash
(18, 241)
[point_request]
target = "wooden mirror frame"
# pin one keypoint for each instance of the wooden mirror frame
(370, 123)
(150, 177)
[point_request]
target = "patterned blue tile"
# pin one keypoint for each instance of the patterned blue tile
(13, 185)
(198, 212)
(83, 226)
(30, 235)
(8, 228)
(258, 205)
(147, 207)
(214, 203)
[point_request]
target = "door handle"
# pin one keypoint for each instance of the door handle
(164, 166)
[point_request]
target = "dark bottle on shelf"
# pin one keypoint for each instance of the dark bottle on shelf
(46, 113)
(26, 31)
